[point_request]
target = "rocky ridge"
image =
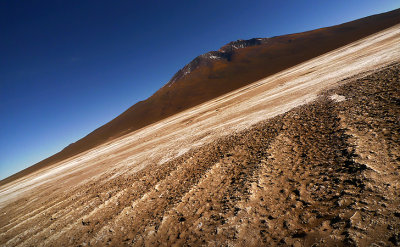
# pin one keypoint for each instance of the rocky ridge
(224, 53)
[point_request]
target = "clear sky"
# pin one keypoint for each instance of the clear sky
(68, 67)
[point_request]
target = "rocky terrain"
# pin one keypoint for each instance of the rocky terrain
(216, 73)
(322, 174)
(307, 157)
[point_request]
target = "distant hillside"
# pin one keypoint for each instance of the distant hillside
(218, 72)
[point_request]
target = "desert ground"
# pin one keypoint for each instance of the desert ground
(309, 156)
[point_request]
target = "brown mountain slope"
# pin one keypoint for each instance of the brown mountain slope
(213, 74)
(321, 174)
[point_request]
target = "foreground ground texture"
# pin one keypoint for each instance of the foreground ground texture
(307, 157)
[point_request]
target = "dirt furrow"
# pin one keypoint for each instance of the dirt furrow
(322, 174)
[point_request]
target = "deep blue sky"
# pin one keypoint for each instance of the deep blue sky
(68, 67)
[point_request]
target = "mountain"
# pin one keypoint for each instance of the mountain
(308, 156)
(215, 73)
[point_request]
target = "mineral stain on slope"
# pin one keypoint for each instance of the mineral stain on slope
(322, 174)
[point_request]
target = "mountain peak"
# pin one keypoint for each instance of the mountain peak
(240, 43)
(224, 53)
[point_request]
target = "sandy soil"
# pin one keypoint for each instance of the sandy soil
(243, 169)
